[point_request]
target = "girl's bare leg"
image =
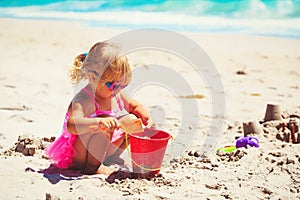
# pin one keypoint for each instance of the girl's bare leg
(90, 151)
(114, 151)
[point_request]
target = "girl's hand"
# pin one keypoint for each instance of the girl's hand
(108, 124)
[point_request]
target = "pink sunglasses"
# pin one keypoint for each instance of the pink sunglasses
(111, 85)
(114, 86)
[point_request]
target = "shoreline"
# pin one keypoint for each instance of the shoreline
(118, 28)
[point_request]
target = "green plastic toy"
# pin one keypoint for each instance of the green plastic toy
(227, 149)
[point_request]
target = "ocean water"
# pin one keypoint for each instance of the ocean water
(260, 17)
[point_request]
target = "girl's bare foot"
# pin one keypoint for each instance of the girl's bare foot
(105, 170)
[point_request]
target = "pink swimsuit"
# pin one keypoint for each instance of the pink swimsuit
(61, 151)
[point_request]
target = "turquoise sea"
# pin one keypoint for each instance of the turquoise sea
(261, 17)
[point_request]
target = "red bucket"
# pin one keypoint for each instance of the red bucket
(147, 151)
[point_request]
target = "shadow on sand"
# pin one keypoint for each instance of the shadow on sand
(55, 174)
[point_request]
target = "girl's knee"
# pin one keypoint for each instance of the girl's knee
(132, 116)
(127, 117)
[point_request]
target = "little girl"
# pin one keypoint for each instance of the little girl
(96, 105)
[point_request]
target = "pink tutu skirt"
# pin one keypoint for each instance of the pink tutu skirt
(61, 151)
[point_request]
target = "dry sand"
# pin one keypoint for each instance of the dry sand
(255, 71)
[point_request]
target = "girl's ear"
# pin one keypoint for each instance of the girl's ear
(92, 77)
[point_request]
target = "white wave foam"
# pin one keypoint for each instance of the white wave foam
(136, 19)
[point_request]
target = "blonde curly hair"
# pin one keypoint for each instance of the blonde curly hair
(105, 61)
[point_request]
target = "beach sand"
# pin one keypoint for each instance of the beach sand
(255, 71)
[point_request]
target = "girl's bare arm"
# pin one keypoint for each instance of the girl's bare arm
(136, 108)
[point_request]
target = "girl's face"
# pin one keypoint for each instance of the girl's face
(109, 89)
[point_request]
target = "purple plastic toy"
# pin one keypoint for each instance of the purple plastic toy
(248, 140)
